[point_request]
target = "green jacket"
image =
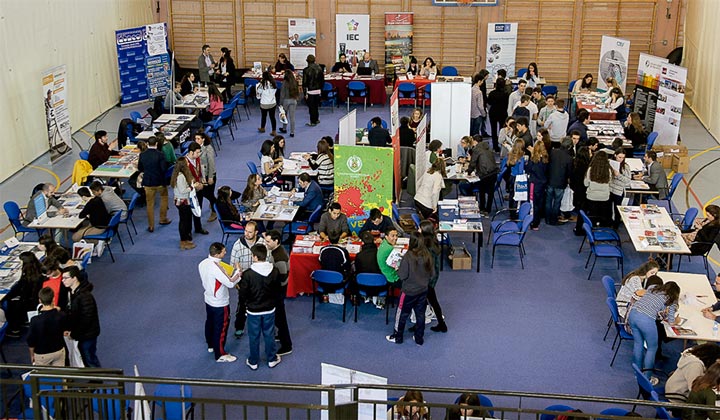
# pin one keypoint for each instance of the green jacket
(383, 253)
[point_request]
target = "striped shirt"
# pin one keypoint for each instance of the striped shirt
(652, 303)
(325, 168)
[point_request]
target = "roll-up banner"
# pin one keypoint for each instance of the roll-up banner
(646, 88)
(398, 39)
(352, 34)
(614, 53)
(671, 96)
(501, 46)
(57, 115)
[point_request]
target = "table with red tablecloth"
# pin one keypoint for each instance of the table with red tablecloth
(376, 88)
(595, 112)
(420, 83)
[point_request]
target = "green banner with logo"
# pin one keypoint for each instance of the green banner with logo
(363, 181)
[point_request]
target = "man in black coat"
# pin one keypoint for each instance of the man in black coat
(559, 170)
(83, 316)
(153, 165)
(313, 81)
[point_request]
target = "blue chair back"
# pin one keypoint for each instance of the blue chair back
(84, 155)
(371, 280)
(251, 82)
(12, 210)
(395, 212)
(521, 73)
(661, 412)
(252, 167)
(130, 134)
(85, 260)
(173, 410)
(674, 184)
(328, 87)
(524, 210)
(133, 203)
(326, 279)
(585, 218)
(651, 139)
(689, 218)
(227, 113)
(108, 409)
(416, 220)
(643, 382)
(619, 412)
(237, 97)
(526, 225)
(315, 215)
(571, 85)
(407, 89)
(549, 90)
(115, 220)
(609, 285)
(556, 407)
(449, 71)
(357, 88)
(589, 234)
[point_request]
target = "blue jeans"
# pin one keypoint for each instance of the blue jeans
(88, 352)
(257, 324)
(644, 331)
(552, 204)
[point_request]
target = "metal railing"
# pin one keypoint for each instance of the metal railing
(108, 394)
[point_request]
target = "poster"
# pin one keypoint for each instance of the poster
(501, 46)
(57, 115)
(421, 162)
(614, 54)
(395, 134)
(398, 39)
(302, 39)
(352, 34)
(155, 37)
(671, 96)
(646, 88)
(363, 181)
(143, 64)
(337, 375)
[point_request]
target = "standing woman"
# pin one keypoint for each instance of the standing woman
(532, 76)
(659, 302)
(507, 136)
(581, 163)
(619, 182)
(477, 105)
(227, 73)
(536, 169)
(324, 163)
(427, 229)
(515, 167)
(597, 181)
(208, 177)
(23, 296)
(498, 101)
(616, 101)
(289, 95)
(428, 189)
(265, 91)
(183, 182)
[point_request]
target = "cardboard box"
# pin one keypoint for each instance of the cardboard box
(680, 164)
(667, 151)
(460, 259)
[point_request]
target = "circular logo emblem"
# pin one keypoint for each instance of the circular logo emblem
(354, 163)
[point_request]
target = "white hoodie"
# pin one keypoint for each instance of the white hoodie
(688, 369)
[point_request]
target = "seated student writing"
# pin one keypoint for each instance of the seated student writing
(377, 223)
(253, 192)
(312, 199)
(97, 217)
(333, 221)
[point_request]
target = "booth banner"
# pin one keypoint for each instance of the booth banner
(501, 46)
(143, 64)
(646, 88)
(301, 33)
(338, 375)
(421, 162)
(395, 135)
(156, 37)
(671, 94)
(398, 39)
(57, 115)
(614, 54)
(352, 34)
(363, 181)
(346, 129)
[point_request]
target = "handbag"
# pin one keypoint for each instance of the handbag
(567, 200)
(283, 115)
(521, 188)
(194, 204)
(81, 248)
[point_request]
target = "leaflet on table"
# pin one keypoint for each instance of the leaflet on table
(639, 185)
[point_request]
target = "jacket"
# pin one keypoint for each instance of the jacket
(266, 94)
(313, 78)
(678, 385)
(153, 166)
(379, 137)
(413, 275)
(215, 282)
(482, 162)
(384, 225)
(366, 260)
(560, 168)
(260, 287)
(428, 190)
(596, 191)
(97, 213)
(706, 234)
(313, 197)
(657, 179)
(80, 172)
(99, 154)
(581, 128)
(383, 253)
(281, 261)
(46, 331)
(31, 213)
(498, 101)
(372, 64)
(335, 258)
(83, 318)
(537, 172)
(203, 68)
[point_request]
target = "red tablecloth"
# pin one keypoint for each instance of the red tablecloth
(420, 84)
(376, 88)
(607, 115)
(301, 266)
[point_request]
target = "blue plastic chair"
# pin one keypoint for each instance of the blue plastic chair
(111, 230)
(549, 90)
(12, 210)
(365, 281)
(84, 155)
(357, 89)
(651, 139)
(571, 85)
(601, 251)
(619, 327)
(688, 218)
(128, 218)
(383, 123)
(85, 260)
(240, 98)
(47, 403)
(212, 129)
(671, 192)
(253, 168)
(408, 90)
(619, 412)
(137, 118)
(329, 96)
(303, 227)
(109, 408)
(449, 71)
(416, 219)
(427, 94)
(173, 410)
(556, 407)
(609, 285)
(510, 225)
(226, 228)
(511, 238)
(646, 388)
(326, 281)
(661, 412)
(484, 402)
(602, 234)
(521, 73)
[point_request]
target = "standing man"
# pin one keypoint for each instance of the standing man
(100, 150)
(206, 64)
(45, 338)
(367, 61)
(84, 322)
(557, 121)
(559, 171)
(313, 81)
(515, 96)
(281, 261)
(153, 165)
(260, 288)
(241, 259)
(217, 283)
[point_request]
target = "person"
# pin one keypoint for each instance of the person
(415, 118)
(217, 282)
(532, 76)
(196, 170)
(634, 285)
(522, 108)
(583, 85)
(462, 410)
(47, 190)
(333, 221)
(428, 68)
(477, 104)
(45, 338)
(376, 223)
(429, 236)
(581, 163)
(283, 64)
(507, 136)
(278, 152)
(516, 96)
(83, 321)
(183, 182)
(23, 296)
(692, 364)
(658, 301)
(206, 65)
(580, 125)
(597, 181)
(464, 148)
(312, 82)
(409, 407)
(265, 91)
(208, 174)
(704, 392)
(215, 106)
(544, 136)
(100, 150)
(366, 260)
(153, 166)
(635, 132)
(557, 122)
(655, 178)
(289, 96)
(498, 100)
(341, 66)
(522, 132)
(575, 136)
(281, 261)
(269, 169)
(113, 203)
(619, 181)
(241, 259)
(416, 269)
(368, 62)
(187, 85)
(538, 99)
(704, 231)
(428, 190)
(386, 247)
(434, 150)
(616, 102)
(47, 245)
(515, 167)
(546, 110)
(312, 199)
(335, 258)
(536, 169)
(323, 162)
(378, 136)
(483, 165)
(227, 210)
(407, 135)
(412, 67)
(611, 83)
(226, 73)
(253, 192)
(260, 289)
(97, 216)
(167, 148)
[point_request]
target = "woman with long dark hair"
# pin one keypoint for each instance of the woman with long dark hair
(462, 410)
(532, 76)
(704, 231)
(265, 91)
(183, 182)
(616, 101)
(634, 284)
(427, 229)
(428, 189)
(635, 132)
(692, 364)
(227, 210)
(23, 296)
(253, 192)
(187, 84)
(581, 162)
(324, 162)
(226, 75)
(278, 153)
(597, 182)
(583, 85)
(289, 96)
(704, 392)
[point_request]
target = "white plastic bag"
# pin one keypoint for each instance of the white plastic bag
(194, 204)
(283, 115)
(567, 201)
(81, 248)
(73, 352)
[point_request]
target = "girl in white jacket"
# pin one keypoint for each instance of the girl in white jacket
(428, 190)
(265, 92)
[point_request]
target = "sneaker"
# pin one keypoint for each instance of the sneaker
(418, 342)
(292, 134)
(226, 358)
(562, 219)
(275, 362)
(439, 328)
(210, 350)
(250, 365)
(394, 339)
(239, 333)
(654, 381)
(284, 351)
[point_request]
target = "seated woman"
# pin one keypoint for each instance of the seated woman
(226, 209)
(216, 104)
(283, 64)
(269, 170)
(409, 407)
(412, 67)
(341, 66)
(692, 364)
(324, 163)
(704, 231)
(635, 132)
(583, 85)
(616, 102)
(704, 392)
(278, 154)
(462, 412)
(611, 83)
(428, 67)
(532, 76)
(187, 84)
(253, 193)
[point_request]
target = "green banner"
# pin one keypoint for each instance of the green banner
(363, 181)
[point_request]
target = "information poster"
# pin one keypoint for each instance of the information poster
(614, 53)
(646, 88)
(156, 36)
(337, 375)
(501, 46)
(57, 115)
(363, 181)
(352, 36)
(398, 39)
(302, 36)
(395, 135)
(671, 96)
(143, 63)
